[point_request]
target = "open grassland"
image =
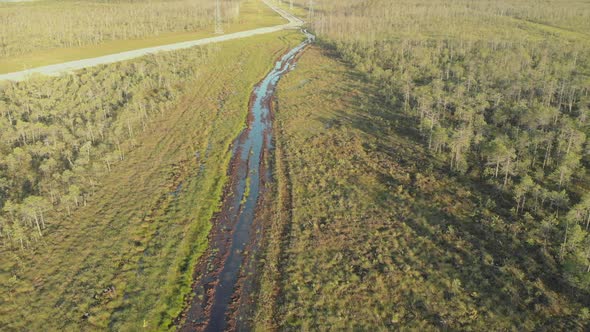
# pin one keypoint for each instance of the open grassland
(121, 240)
(372, 232)
(49, 32)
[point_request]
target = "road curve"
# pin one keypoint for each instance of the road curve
(65, 67)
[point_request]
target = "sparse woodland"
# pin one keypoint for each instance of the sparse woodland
(433, 177)
(499, 91)
(45, 25)
(57, 140)
(483, 221)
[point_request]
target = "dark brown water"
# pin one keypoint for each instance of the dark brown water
(237, 218)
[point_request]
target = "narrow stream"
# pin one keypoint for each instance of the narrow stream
(235, 231)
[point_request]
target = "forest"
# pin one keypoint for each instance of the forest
(506, 102)
(365, 214)
(483, 107)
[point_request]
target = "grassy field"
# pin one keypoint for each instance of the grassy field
(124, 261)
(371, 231)
(49, 50)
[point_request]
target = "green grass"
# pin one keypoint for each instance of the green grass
(253, 14)
(135, 234)
(298, 9)
(246, 190)
(380, 236)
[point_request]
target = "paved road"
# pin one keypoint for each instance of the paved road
(65, 67)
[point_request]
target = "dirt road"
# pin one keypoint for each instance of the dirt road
(70, 66)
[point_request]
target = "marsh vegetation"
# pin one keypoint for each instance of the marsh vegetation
(429, 171)
(437, 172)
(125, 165)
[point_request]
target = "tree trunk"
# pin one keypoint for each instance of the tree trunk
(38, 227)
(567, 225)
(569, 143)
(121, 156)
(497, 168)
(547, 155)
(506, 174)
(42, 220)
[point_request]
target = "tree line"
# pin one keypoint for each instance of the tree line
(28, 27)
